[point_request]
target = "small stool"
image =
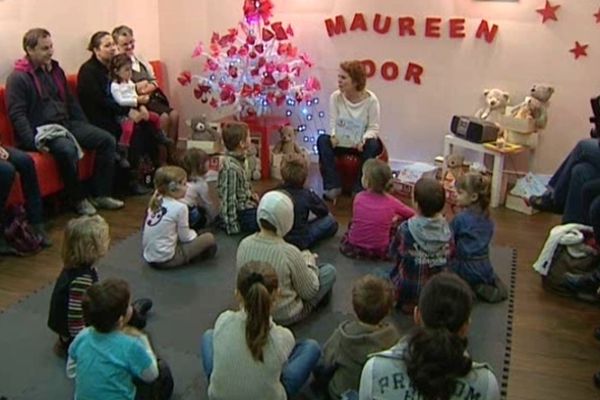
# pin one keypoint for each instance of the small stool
(347, 166)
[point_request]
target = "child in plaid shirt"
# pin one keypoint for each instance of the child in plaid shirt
(422, 246)
(238, 201)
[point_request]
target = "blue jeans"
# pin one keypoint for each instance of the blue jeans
(327, 153)
(247, 219)
(591, 205)
(19, 161)
(295, 373)
(64, 152)
(582, 163)
(317, 229)
(327, 276)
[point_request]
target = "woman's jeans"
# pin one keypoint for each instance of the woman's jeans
(327, 153)
(581, 165)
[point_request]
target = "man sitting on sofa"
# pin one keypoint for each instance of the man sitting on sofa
(45, 114)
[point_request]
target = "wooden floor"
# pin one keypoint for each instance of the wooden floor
(553, 355)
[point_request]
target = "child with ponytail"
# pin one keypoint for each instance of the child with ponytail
(375, 215)
(247, 356)
(167, 239)
(473, 230)
(432, 363)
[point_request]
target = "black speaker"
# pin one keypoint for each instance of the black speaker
(474, 129)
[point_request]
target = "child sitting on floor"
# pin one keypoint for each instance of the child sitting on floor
(247, 356)
(238, 201)
(303, 284)
(422, 245)
(202, 208)
(432, 363)
(86, 240)
(167, 239)
(346, 351)
(305, 233)
(375, 215)
(473, 230)
(103, 359)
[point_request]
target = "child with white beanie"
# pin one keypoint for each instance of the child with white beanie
(303, 284)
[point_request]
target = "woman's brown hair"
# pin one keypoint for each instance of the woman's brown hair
(257, 284)
(357, 72)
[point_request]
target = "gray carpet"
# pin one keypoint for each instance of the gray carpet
(187, 301)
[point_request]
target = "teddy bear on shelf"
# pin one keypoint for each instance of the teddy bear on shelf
(540, 93)
(252, 163)
(204, 131)
(496, 102)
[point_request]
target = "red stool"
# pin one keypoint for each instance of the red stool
(347, 167)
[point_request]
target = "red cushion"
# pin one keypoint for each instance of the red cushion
(47, 170)
(347, 166)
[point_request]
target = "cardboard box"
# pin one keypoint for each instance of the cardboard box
(519, 204)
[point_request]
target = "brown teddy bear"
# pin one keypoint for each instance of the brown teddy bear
(204, 131)
(454, 165)
(541, 93)
(286, 148)
(287, 142)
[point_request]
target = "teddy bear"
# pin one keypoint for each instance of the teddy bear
(252, 163)
(541, 93)
(287, 142)
(497, 100)
(530, 109)
(204, 131)
(454, 166)
(286, 148)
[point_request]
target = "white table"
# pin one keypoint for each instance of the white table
(450, 141)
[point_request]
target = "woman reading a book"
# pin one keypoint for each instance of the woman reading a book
(354, 127)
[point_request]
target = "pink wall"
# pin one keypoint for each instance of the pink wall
(71, 23)
(415, 118)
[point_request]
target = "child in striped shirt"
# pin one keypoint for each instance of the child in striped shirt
(86, 240)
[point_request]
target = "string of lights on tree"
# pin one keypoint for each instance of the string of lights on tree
(256, 69)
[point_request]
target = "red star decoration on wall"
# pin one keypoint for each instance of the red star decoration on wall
(597, 15)
(580, 50)
(548, 12)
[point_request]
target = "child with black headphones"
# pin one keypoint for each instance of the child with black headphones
(167, 239)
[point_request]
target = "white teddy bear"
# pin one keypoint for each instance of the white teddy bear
(497, 100)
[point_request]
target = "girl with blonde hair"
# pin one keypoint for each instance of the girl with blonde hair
(167, 239)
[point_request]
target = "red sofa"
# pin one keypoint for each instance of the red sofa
(47, 171)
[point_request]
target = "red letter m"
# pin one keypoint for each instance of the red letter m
(337, 27)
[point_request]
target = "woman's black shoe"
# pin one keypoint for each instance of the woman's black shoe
(543, 203)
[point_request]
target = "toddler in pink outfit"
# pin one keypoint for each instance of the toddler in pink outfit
(374, 215)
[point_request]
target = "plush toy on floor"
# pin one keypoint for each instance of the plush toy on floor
(252, 163)
(286, 148)
(454, 165)
(204, 131)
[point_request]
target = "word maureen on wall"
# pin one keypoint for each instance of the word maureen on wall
(407, 26)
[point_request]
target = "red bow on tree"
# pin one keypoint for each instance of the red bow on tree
(255, 10)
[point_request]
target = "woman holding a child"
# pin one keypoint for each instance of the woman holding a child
(354, 127)
(93, 81)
